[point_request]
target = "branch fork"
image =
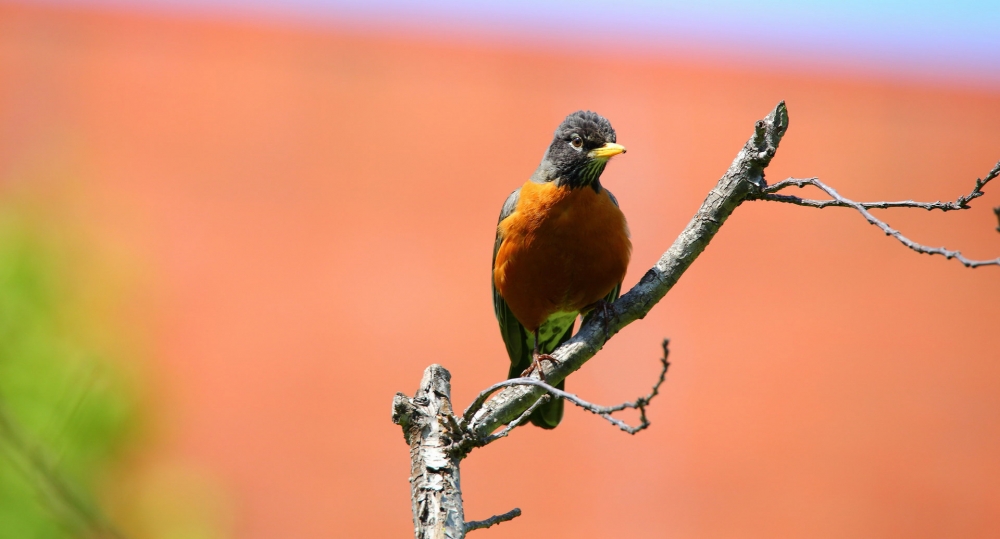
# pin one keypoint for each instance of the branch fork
(836, 200)
(439, 440)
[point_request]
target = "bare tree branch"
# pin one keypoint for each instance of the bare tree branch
(603, 411)
(435, 486)
(439, 441)
(502, 433)
(495, 519)
(961, 203)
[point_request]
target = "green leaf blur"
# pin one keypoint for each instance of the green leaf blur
(65, 410)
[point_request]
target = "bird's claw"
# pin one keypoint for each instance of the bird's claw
(536, 365)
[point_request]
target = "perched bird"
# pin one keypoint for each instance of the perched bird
(562, 247)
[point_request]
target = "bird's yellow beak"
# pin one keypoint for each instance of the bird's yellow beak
(607, 151)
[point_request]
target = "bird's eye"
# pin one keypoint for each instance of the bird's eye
(576, 142)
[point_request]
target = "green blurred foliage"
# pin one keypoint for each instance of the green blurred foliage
(66, 410)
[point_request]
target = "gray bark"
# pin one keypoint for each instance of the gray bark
(430, 428)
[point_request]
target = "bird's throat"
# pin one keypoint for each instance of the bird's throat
(586, 175)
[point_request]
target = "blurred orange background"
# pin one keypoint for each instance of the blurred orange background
(312, 215)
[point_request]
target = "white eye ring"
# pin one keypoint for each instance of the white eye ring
(576, 142)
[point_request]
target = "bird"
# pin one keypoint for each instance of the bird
(562, 249)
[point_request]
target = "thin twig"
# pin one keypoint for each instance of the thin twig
(996, 210)
(476, 405)
(641, 402)
(495, 519)
(961, 203)
(603, 411)
(510, 426)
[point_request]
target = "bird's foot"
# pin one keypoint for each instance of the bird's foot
(536, 365)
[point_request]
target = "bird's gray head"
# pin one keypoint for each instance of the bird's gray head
(582, 146)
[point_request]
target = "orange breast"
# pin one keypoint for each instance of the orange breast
(561, 251)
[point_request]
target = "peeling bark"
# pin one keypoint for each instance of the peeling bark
(430, 429)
